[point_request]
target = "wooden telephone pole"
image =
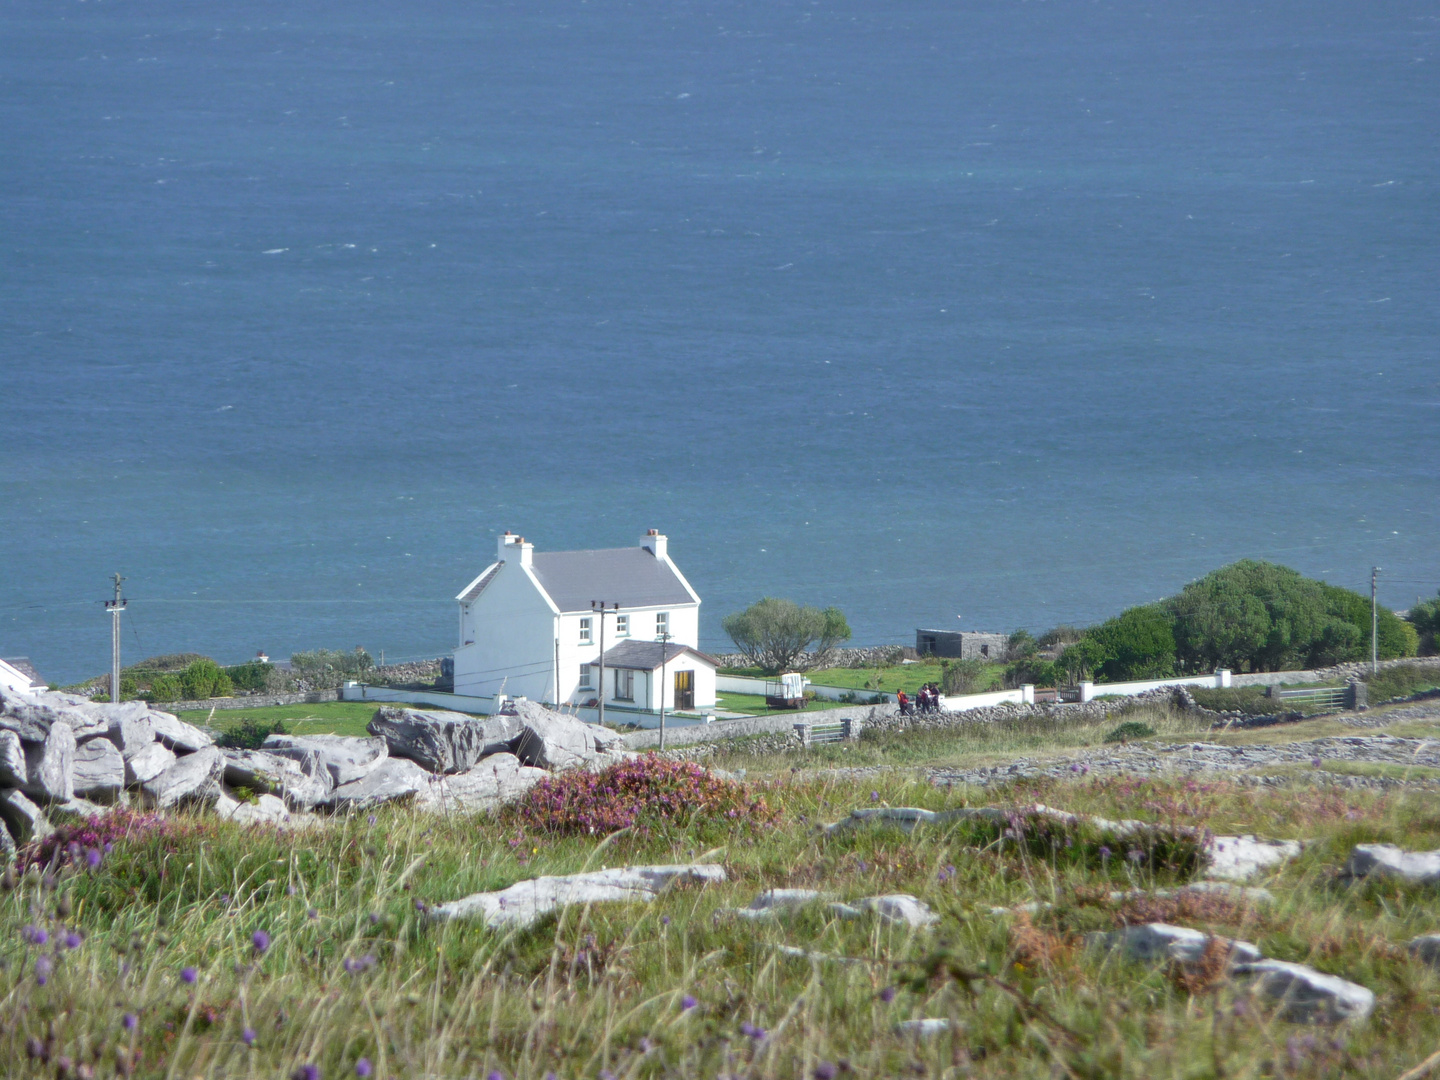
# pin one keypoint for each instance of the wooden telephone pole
(115, 607)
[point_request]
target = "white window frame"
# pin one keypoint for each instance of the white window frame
(662, 623)
(624, 681)
(585, 631)
(585, 670)
(622, 625)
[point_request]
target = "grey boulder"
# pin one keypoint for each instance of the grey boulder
(525, 902)
(1239, 858)
(496, 780)
(550, 740)
(131, 734)
(23, 818)
(392, 778)
(899, 908)
(265, 810)
(1161, 941)
(148, 763)
(1307, 996)
(99, 771)
(179, 736)
(194, 776)
(1426, 949)
(345, 757)
(76, 811)
(49, 765)
(12, 760)
(302, 783)
(1389, 861)
(443, 742)
(31, 716)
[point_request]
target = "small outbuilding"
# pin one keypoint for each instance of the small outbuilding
(961, 644)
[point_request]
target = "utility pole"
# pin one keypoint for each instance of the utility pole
(664, 649)
(1374, 623)
(115, 607)
(600, 606)
(557, 674)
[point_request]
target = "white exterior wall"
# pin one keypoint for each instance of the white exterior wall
(684, 630)
(648, 686)
(510, 630)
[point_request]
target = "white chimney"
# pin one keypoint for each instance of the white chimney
(504, 547)
(527, 551)
(656, 544)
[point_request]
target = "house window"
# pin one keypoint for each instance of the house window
(622, 625)
(584, 631)
(662, 623)
(624, 684)
(585, 677)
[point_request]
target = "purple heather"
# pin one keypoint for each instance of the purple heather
(825, 1071)
(72, 940)
(43, 966)
(688, 1002)
(261, 940)
(362, 1067)
(129, 1021)
(188, 975)
(247, 1036)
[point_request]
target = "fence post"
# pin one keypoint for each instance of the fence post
(1357, 696)
(803, 730)
(1224, 674)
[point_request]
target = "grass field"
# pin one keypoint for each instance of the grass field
(754, 705)
(322, 718)
(164, 978)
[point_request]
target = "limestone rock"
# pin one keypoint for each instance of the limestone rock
(32, 715)
(1161, 941)
(896, 908)
(12, 760)
(49, 764)
(776, 899)
(105, 715)
(1426, 949)
(927, 1028)
(194, 776)
(1307, 996)
(391, 778)
(1238, 858)
(1389, 861)
(99, 771)
(23, 818)
(148, 763)
(303, 783)
(443, 742)
(8, 851)
(497, 779)
(549, 740)
(265, 810)
(131, 734)
(179, 736)
(345, 757)
(527, 901)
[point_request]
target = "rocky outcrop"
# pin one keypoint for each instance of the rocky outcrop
(12, 760)
(49, 765)
(1161, 941)
(1303, 995)
(24, 820)
(391, 778)
(497, 779)
(148, 764)
(345, 757)
(99, 771)
(179, 736)
(1389, 861)
(550, 740)
(444, 742)
(193, 776)
(302, 783)
(525, 902)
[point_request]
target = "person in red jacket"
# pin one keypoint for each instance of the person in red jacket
(904, 703)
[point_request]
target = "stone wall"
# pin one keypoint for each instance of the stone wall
(250, 701)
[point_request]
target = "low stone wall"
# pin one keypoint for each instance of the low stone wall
(250, 701)
(1341, 672)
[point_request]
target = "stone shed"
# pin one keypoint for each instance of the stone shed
(961, 644)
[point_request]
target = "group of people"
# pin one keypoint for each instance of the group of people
(926, 700)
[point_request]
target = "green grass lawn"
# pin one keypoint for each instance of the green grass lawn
(322, 718)
(754, 705)
(907, 677)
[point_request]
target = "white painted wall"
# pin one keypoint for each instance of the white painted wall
(1090, 691)
(508, 637)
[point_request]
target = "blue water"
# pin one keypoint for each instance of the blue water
(1016, 312)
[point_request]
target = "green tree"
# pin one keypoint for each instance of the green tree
(203, 679)
(1139, 643)
(960, 676)
(774, 633)
(165, 688)
(1424, 618)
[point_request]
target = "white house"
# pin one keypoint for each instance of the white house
(529, 626)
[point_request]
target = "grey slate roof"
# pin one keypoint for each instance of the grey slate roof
(23, 665)
(484, 579)
(630, 577)
(645, 655)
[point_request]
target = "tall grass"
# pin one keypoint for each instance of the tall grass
(352, 968)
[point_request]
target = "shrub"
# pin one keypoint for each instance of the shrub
(73, 845)
(1060, 636)
(328, 668)
(773, 633)
(165, 688)
(1131, 729)
(648, 794)
(204, 679)
(1139, 643)
(1399, 681)
(251, 676)
(249, 734)
(1021, 644)
(960, 676)
(1424, 617)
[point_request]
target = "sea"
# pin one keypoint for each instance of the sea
(976, 314)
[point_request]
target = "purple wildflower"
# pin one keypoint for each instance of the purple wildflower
(247, 1036)
(43, 966)
(313, 913)
(306, 1072)
(107, 847)
(664, 920)
(887, 995)
(1315, 762)
(72, 940)
(261, 940)
(372, 819)
(129, 1021)
(93, 858)
(825, 1071)
(1104, 851)
(35, 935)
(874, 796)
(374, 918)
(188, 975)
(494, 1074)
(362, 1067)
(688, 1002)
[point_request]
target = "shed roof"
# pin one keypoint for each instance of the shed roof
(631, 577)
(647, 655)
